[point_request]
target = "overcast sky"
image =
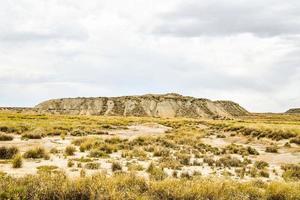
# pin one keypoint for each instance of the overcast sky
(247, 51)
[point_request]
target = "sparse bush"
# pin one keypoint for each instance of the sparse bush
(272, 149)
(158, 152)
(31, 135)
(135, 167)
(291, 172)
(8, 152)
(156, 173)
(209, 161)
(264, 173)
(116, 166)
(47, 169)
(5, 137)
(70, 163)
(35, 153)
(54, 150)
(295, 140)
(229, 161)
(17, 161)
(70, 150)
(170, 163)
(92, 165)
(261, 164)
(98, 154)
(183, 158)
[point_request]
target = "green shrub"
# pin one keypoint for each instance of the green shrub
(8, 152)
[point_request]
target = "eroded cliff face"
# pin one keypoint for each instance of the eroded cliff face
(168, 105)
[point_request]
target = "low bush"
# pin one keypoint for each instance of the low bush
(291, 172)
(70, 150)
(134, 167)
(156, 173)
(31, 135)
(35, 153)
(272, 149)
(17, 161)
(295, 140)
(261, 164)
(8, 152)
(5, 137)
(210, 161)
(116, 166)
(96, 153)
(229, 161)
(92, 165)
(47, 169)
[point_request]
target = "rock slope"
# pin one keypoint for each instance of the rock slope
(167, 105)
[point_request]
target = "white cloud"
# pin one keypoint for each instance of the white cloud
(53, 48)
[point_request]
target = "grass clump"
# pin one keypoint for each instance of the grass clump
(272, 149)
(36, 153)
(295, 140)
(261, 164)
(31, 135)
(128, 186)
(134, 167)
(156, 173)
(48, 169)
(17, 161)
(70, 150)
(116, 166)
(228, 161)
(291, 172)
(5, 137)
(92, 165)
(8, 152)
(96, 153)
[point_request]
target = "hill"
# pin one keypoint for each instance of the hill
(165, 105)
(293, 111)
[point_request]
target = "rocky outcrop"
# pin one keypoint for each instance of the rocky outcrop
(293, 111)
(167, 105)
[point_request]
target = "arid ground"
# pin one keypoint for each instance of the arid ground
(258, 147)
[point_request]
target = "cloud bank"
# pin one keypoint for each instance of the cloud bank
(243, 51)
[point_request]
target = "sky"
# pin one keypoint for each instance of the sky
(240, 50)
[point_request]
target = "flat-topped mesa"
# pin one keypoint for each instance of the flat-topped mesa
(151, 105)
(293, 111)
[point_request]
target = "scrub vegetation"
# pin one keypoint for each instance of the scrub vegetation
(98, 157)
